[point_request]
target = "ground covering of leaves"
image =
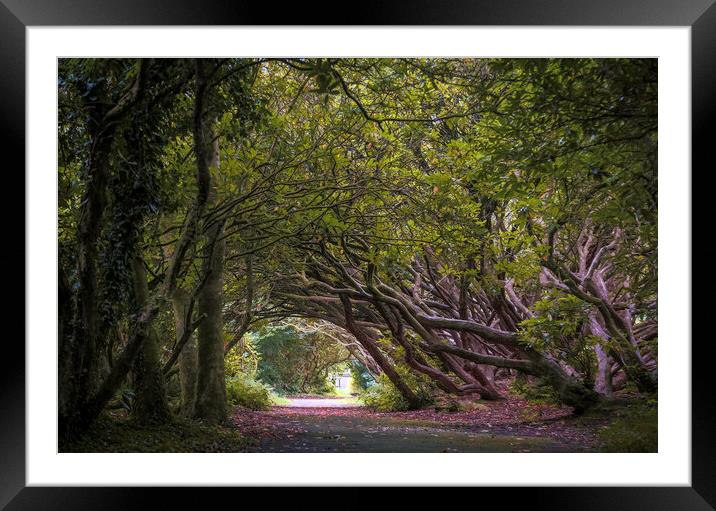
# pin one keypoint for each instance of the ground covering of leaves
(246, 429)
(118, 433)
(512, 416)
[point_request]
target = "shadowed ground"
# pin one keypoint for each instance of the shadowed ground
(340, 425)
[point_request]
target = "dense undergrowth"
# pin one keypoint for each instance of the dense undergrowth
(250, 393)
(383, 396)
(115, 433)
(537, 392)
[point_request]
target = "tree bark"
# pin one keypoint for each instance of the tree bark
(603, 383)
(623, 349)
(150, 403)
(188, 361)
(66, 374)
(410, 397)
(211, 385)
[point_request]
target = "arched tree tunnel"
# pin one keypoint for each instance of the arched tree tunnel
(450, 225)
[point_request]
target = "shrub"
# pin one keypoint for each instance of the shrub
(321, 387)
(245, 391)
(635, 431)
(385, 397)
(448, 405)
(361, 377)
(537, 392)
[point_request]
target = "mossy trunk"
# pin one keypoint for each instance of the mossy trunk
(150, 403)
(211, 386)
(67, 387)
(188, 361)
(570, 391)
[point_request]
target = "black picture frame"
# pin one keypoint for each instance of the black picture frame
(700, 15)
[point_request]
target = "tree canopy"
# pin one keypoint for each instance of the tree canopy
(456, 220)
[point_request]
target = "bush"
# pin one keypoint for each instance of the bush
(538, 392)
(321, 387)
(385, 397)
(635, 431)
(245, 391)
(361, 377)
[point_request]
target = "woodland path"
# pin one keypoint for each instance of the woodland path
(332, 425)
(320, 402)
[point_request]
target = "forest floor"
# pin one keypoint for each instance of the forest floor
(116, 432)
(315, 425)
(334, 425)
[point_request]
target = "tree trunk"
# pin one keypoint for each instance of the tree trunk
(626, 347)
(150, 404)
(78, 368)
(490, 392)
(81, 393)
(570, 391)
(86, 329)
(67, 382)
(188, 360)
(410, 397)
(211, 385)
(603, 382)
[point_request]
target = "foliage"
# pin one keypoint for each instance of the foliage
(243, 359)
(538, 392)
(362, 379)
(296, 362)
(245, 391)
(383, 396)
(558, 328)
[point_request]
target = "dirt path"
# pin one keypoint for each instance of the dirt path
(334, 425)
(321, 402)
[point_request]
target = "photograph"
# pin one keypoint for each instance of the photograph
(357, 255)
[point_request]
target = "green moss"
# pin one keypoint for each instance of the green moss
(449, 405)
(635, 430)
(115, 434)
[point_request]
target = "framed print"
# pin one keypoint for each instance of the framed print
(267, 247)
